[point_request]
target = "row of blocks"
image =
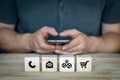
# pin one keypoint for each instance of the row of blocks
(62, 63)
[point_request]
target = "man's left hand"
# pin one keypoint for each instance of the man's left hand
(80, 43)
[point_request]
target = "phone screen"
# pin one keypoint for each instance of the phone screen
(58, 41)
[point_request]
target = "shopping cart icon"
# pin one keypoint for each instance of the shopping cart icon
(84, 64)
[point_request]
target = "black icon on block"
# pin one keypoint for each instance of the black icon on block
(30, 64)
(84, 64)
(67, 64)
(49, 64)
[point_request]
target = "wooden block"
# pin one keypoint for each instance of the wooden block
(32, 64)
(66, 63)
(49, 63)
(83, 63)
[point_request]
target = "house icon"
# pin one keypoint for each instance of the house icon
(49, 64)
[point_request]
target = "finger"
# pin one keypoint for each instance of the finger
(72, 33)
(61, 52)
(70, 53)
(72, 44)
(39, 49)
(77, 48)
(42, 43)
(50, 31)
(47, 46)
(77, 52)
(44, 51)
(59, 47)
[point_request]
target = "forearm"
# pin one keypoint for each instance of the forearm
(11, 41)
(108, 43)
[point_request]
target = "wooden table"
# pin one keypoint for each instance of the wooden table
(105, 67)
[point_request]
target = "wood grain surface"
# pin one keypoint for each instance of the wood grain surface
(104, 67)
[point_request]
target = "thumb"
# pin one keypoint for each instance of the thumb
(51, 31)
(72, 33)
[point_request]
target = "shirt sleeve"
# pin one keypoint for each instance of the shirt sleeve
(8, 11)
(111, 13)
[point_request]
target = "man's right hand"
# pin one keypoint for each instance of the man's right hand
(38, 40)
(11, 41)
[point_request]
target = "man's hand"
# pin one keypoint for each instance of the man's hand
(38, 41)
(108, 42)
(11, 41)
(80, 43)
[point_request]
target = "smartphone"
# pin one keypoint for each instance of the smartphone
(59, 40)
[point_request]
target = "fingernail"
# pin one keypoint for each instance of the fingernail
(57, 51)
(64, 48)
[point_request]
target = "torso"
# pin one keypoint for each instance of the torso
(84, 15)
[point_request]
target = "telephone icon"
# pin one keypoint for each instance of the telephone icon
(30, 64)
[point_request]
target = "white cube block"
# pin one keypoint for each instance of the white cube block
(32, 64)
(49, 63)
(83, 63)
(66, 63)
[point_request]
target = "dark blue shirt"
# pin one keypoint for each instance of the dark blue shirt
(84, 15)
